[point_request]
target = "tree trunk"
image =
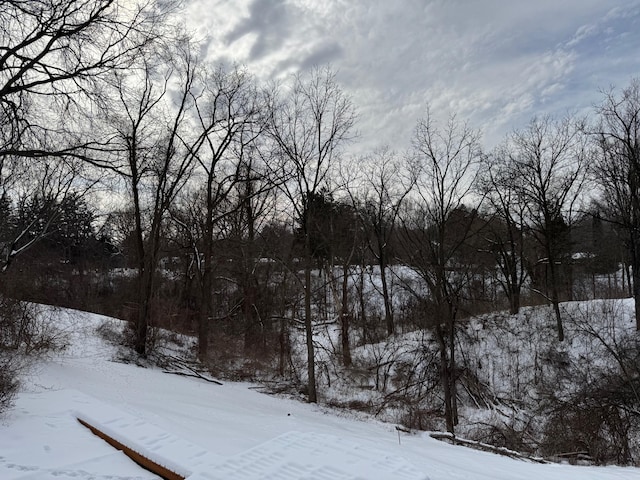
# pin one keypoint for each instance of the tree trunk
(635, 274)
(146, 288)
(254, 332)
(345, 318)
(255, 335)
(555, 297)
(634, 232)
(514, 302)
(452, 367)
(388, 312)
(141, 324)
(283, 344)
(140, 330)
(445, 380)
(206, 281)
(363, 308)
(204, 315)
(140, 340)
(206, 288)
(308, 322)
(308, 325)
(514, 299)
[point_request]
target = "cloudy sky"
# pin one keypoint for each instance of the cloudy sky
(495, 63)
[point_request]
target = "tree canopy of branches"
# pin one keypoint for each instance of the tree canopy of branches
(54, 56)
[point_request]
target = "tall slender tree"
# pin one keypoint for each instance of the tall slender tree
(436, 226)
(309, 123)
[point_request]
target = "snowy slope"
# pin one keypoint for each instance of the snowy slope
(215, 432)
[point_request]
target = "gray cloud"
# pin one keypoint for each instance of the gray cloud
(495, 62)
(322, 54)
(270, 21)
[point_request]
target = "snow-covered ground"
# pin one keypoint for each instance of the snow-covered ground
(207, 431)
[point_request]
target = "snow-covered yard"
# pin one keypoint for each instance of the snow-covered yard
(209, 431)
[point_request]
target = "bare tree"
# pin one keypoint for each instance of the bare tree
(436, 225)
(253, 208)
(384, 182)
(505, 231)
(347, 240)
(618, 169)
(229, 112)
(308, 124)
(153, 125)
(549, 164)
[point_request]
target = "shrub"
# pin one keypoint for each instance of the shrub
(590, 427)
(9, 370)
(25, 334)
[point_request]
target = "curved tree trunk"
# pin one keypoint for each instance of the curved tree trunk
(388, 311)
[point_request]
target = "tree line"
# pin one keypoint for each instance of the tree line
(136, 179)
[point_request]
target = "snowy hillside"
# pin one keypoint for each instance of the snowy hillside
(209, 431)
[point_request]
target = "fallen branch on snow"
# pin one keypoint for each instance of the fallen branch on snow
(177, 366)
(448, 437)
